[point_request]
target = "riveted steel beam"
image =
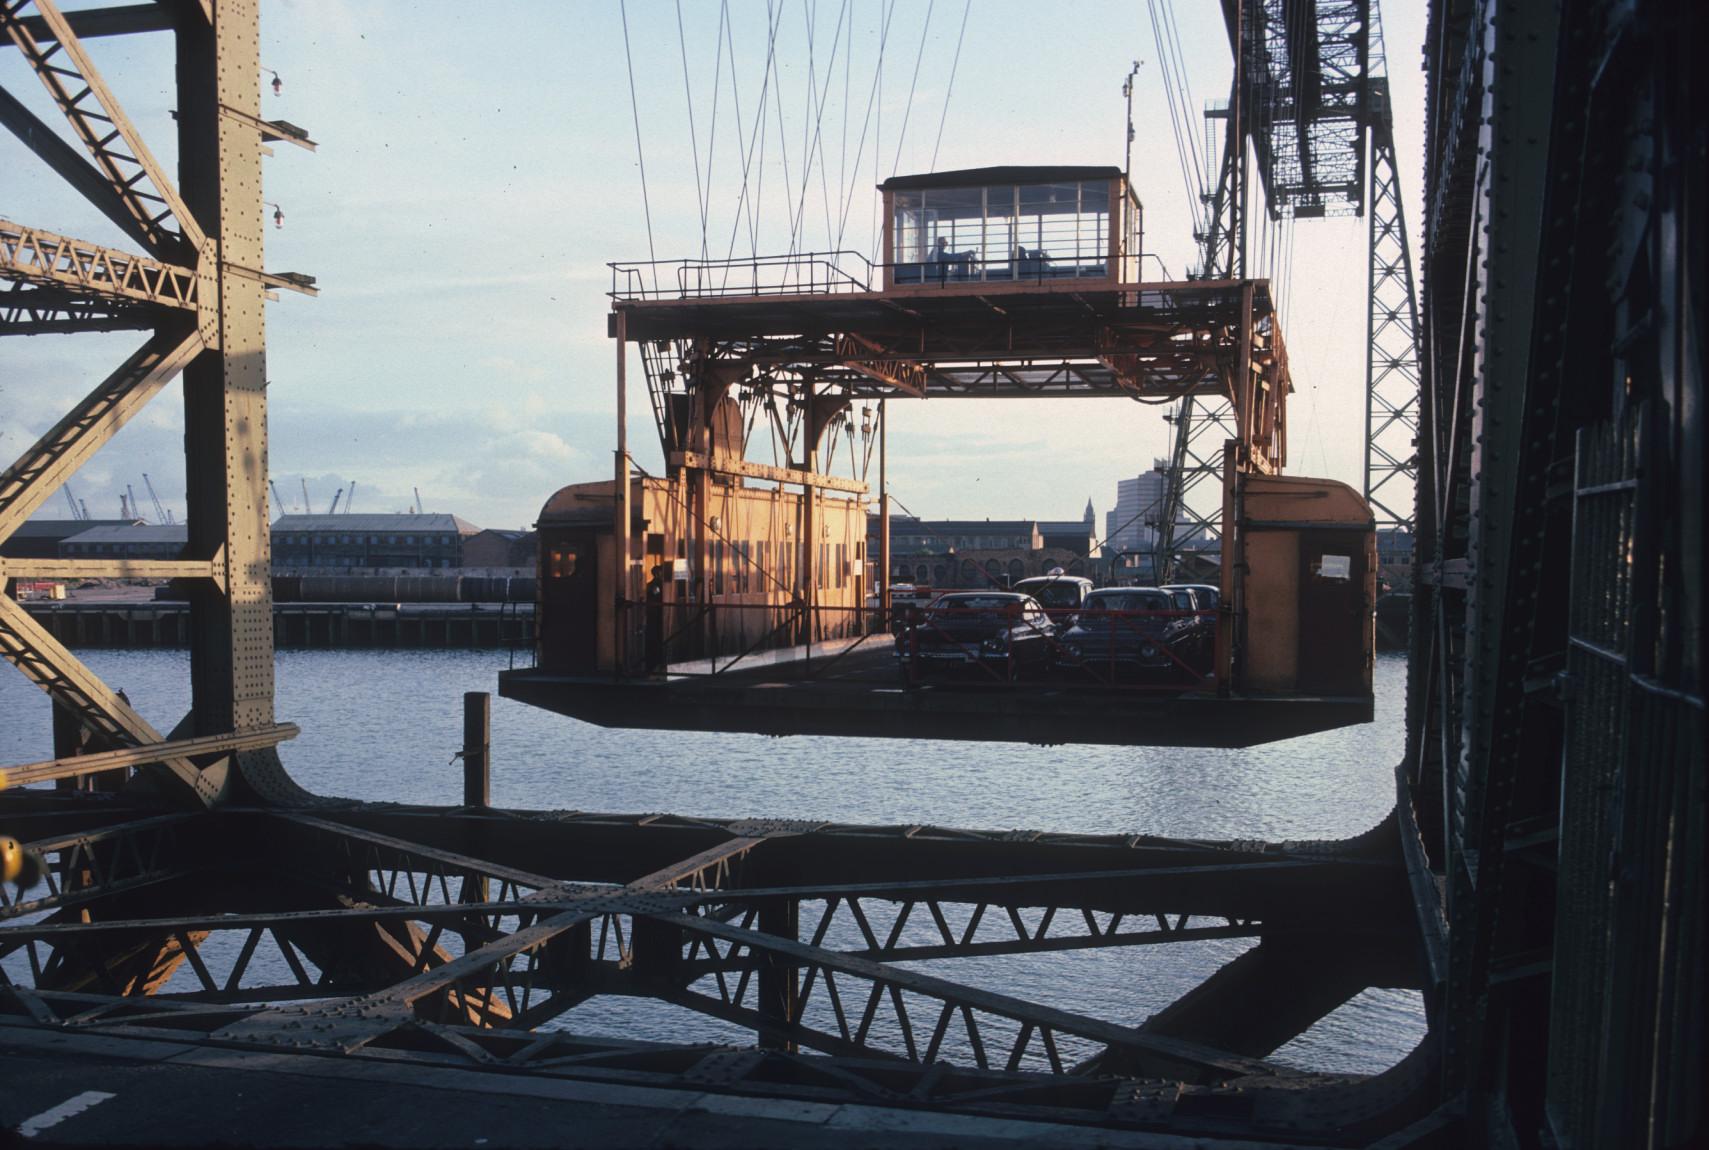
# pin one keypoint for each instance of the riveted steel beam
(29, 310)
(51, 769)
(225, 389)
(31, 255)
(119, 20)
(210, 569)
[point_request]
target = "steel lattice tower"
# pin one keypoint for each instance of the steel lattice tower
(1310, 102)
(1391, 340)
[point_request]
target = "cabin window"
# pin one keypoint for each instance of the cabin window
(1001, 232)
(560, 563)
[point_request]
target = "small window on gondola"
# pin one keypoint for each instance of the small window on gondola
(561, 564)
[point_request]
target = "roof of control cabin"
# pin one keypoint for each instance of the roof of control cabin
(1002, 174)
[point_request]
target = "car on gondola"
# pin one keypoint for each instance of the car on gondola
(1201, 598)
(1207, 595)
(992, 634)
(1059, 594)
(1129, 631)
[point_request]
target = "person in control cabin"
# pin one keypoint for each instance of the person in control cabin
(940, 258)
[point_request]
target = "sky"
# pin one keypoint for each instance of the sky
(478, 168)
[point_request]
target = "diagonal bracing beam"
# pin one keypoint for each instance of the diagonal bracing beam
(150, 199)
(349, 1024)
(50, 769)
(28, 483)
(70, 165)
(1145, 1053)
(62, 675)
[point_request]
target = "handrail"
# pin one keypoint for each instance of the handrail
(839, 272)
(793, 273)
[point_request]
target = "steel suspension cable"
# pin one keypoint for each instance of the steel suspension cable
(1165, 75)
(1189, 104)
(878, 139)
(712, 132)
(913, 85)
(813, 146)
(640, 157)
(949, 89)
(782, 145)
(741, 143)
(742, 198)
(816, 110)
(843, 147)
(860, 150)
(693, 134)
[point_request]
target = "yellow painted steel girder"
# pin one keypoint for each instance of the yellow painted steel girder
(32, 255)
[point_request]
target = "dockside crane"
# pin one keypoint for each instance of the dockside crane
(333, 509)
(350, 498)
(135, 507)
(308, 509)
(77, 513)
(277, 502)
(161, 515)
(417, 491)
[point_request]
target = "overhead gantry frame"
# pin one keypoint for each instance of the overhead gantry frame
(798, 356)
(199, 288)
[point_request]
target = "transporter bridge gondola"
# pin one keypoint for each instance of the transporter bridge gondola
(734, 594)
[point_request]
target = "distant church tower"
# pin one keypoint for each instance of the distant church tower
(1089, 518)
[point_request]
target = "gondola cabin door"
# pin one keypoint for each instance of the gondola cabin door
(569, 601)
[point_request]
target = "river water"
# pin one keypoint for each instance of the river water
(383, 725)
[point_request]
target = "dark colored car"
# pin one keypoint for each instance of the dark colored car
(1126, 630)
(1202, 598)
(1060, 595)
(1207, 595)
(1007, 634)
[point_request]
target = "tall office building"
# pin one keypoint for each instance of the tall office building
(1132, 525)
